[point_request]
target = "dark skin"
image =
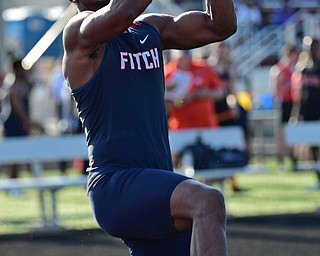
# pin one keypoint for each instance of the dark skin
(194, 206)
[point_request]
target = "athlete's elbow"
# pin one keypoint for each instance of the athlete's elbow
(225, 31)
(230, 30)
(229, 24)
(233, 26)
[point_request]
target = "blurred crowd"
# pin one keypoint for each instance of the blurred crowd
(258, 13)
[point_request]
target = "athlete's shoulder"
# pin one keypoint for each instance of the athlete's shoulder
(77, 20)
(72, 28)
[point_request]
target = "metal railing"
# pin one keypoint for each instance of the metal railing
(250, 48)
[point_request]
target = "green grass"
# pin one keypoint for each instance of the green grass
(272, 192)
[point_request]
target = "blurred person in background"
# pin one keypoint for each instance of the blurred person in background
(191, 89)
(195, 109)
(65, 110)
(221, 64)
(283, 13)
(281, 80)
(228, 111)
(18, 86)
(249, 16)
(308, 106)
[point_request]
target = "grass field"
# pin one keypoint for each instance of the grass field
(275, 192)
(272, 192)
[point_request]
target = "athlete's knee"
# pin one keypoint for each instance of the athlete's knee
(211, 203)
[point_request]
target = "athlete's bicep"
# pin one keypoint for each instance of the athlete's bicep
(98, 28)
(188, 30)
(111, 20)
(88, 28)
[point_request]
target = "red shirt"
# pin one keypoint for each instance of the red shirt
(284, 84)
(198, 112)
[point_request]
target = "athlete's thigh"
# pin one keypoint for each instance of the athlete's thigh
(135, 203)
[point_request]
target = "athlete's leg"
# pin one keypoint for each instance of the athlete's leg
(200, 207)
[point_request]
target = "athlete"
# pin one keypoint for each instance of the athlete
(283, 87)
(113, 65)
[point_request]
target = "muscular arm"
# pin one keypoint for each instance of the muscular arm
(106, 23)
(85, 34)
(195, 28)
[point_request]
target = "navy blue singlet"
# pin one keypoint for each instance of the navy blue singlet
(122, 106)
(123, 112)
